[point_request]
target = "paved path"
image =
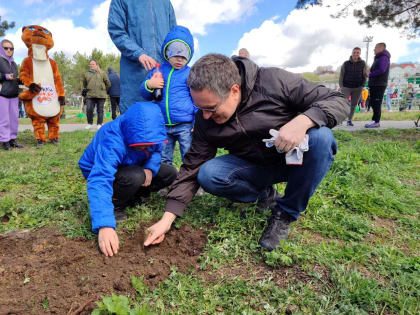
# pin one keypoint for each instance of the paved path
(63, 127)
(358, 125)
(385, 124)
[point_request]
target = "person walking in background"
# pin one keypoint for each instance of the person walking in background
(378, 80)
(138, 28)
(114, 91)
(9, 101)
(95, 87)
(410, 94)
(352, 79)
(389, 92)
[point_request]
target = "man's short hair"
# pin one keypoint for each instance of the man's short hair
(357, 48)
(382, 44)
(216, 73)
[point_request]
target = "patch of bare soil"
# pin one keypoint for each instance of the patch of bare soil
(43, 272)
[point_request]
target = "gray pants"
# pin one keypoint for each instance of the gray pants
(355, 95)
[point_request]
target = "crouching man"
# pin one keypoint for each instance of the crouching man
(122, 164)
(239, 103)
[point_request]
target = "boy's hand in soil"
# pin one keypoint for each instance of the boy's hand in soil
(158, 230)
(108, 241)
(155, 82)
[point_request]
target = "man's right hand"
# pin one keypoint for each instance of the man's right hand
(148, 62)
(155, 82)
(108, 241)
(158, 230)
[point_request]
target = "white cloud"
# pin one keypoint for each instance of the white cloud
(197, 15)
(310, 38)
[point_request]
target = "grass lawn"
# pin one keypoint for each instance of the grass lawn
(354, 251)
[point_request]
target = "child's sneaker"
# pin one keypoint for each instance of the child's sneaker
(88, 126)
(350, 123)
(373, 124)
(98, 126)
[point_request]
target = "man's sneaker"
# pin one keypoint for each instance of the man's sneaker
(350, 123)
(120, 215)
(14, 144)
(98, 126)
(373, 124)
(88, 126)
(54, 141)
(39, 143)
(268, 202)
(276, 230)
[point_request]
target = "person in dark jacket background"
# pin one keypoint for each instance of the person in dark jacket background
(9, 101)
(121, 165)
(352, 79)
(239, 104)
(138, 28)
(378, 80)
(114, 91)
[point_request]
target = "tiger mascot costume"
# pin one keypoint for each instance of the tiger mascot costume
(45, 95)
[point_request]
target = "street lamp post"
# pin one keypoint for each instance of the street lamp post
(367, 40)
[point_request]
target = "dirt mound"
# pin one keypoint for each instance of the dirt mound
(44, 272)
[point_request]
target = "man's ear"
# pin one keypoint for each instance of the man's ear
(235, 89)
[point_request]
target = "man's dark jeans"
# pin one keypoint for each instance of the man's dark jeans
(115, 102)
(241, 181)
(90, 106)
(128, 181)
(376, 95)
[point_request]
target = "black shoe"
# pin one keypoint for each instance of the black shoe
(14, 144)
(120, 215)
(54, 141)
(6, 146)
(276, 230)
(268, 202)
(39, 143)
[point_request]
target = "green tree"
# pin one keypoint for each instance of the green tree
(402, 14)
(4, 26)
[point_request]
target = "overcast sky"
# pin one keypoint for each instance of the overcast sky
(272, 30)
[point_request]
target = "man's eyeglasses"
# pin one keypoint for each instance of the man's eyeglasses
(210, 110)
(8, 48)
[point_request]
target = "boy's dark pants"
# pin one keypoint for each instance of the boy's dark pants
(128, 181)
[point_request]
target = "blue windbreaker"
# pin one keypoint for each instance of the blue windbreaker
(110, 149)
(176, 105)
(138, 27)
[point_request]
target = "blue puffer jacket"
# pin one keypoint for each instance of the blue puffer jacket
(110, 149)
(138, 27)
(176, 105)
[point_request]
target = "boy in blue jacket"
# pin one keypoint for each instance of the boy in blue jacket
(121, 165)
(176, 105)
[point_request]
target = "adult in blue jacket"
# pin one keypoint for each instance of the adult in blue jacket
(121, 165)
(176, 105)
(138, 28)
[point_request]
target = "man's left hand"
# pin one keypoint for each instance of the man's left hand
(148, 179)
(292, 133)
